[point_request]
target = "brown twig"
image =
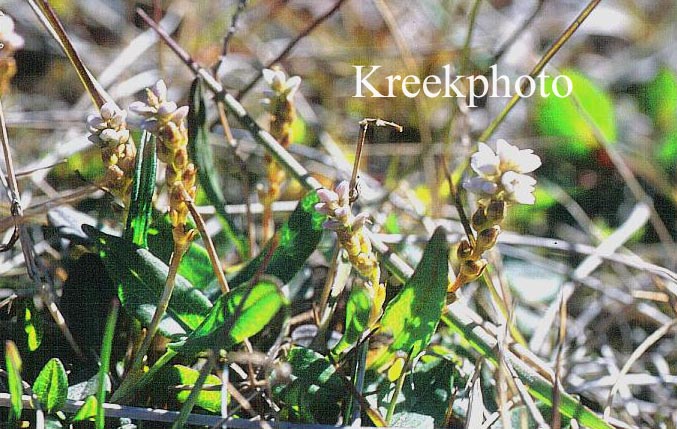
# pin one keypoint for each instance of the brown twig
(290, 46)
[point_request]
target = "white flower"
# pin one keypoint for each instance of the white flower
(157, 109)
(501, 174)
(109, 126)
(10, 41)
(280, 85)
(514, 159)
(336, 205)
(518, 187)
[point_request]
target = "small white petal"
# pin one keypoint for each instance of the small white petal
(166, 108)
(485, 162)
(327, 196)
(108, 110)
(292, 85)
(343, 192)
(268, 76)
(322, 208)
(342, 212)
(332, 224)
(160, 90)
(480, 186)
(359, 221)
(180, 114)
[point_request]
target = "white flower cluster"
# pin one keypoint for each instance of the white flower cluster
(279, 86)
(502, 174)
(109, 126)
(157, 111)
(10, 41)
(336, 205)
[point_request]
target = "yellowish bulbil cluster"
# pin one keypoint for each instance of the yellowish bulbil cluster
(118, 152)
(279, 103)
(10, 42)
(167, 122)
(501, 180)
(350, 231)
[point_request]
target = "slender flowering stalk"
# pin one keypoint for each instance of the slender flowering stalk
(166, 120)
(279, 103)
(10, 42)
(501, 180)
(350, 231)
(109, 131)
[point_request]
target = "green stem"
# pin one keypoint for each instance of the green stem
(396, 393)
(194, 393)
(556, 46)
(130, 386)
(106, 350)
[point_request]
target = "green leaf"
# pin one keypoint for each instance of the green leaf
(207, 171)
(195, 265)
(430, 387)
(412, 316)
(180, 375)
(357, 318)
(51, 386)
(562, 118)
(315, 390)
(141, 278)
(13, 364)
(106, 351)
(660, 100)
(141, 204)
(236, 315)
(292, 245)
(33, 323)
(87, 411)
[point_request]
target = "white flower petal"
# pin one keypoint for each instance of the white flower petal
(268, 76)
(327, 196)
(160, 90)
(484, 161)
(343, 192)
(480, 186)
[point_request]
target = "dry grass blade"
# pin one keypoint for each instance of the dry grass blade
(636, 354)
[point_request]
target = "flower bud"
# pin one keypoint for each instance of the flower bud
(496, 211)
(472, 269)
(479, 218)
(464, 250)
(486, 239)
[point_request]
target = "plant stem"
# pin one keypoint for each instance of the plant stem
(396, 393)
(209, 244)
(194, 392)
(161, 308)
(556, 46)
(106, 350)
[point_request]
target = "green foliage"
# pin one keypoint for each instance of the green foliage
(195, 265)
(412, 316)
(140, 277)
(571, 123)
(33, 325)
(87, 411)
(236, 315)
(181, 375)
(357, 318)
(315, 390)
(106, 351)
(660, 100)
(51, 386)
(143, 187)
(293, 243)
(13, 365)
(207, 171)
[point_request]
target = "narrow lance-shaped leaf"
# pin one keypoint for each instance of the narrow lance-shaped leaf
(294, 242)
(236, 315)
(51, 386)
(412, 316)
(13, 364)
(141, 203)
(141, 278)
(358, 308)
(207, 172)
